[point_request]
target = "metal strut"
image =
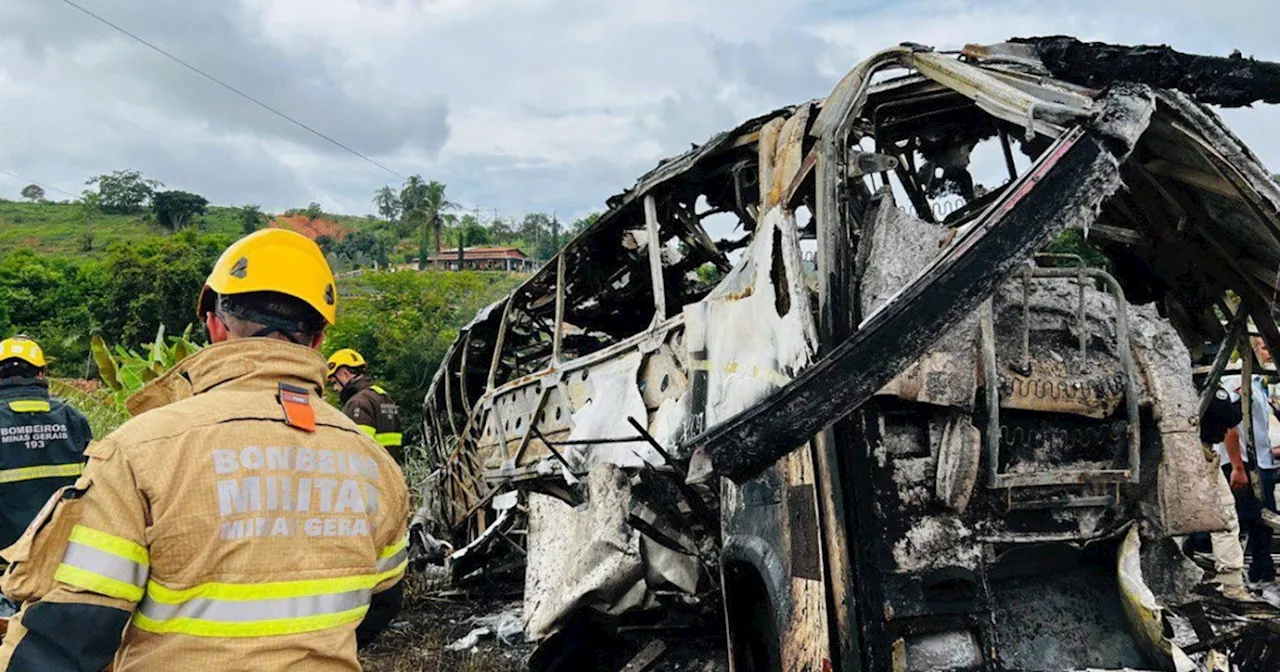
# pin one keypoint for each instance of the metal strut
(996, 479)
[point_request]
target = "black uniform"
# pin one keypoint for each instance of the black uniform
(375, 413)
(1220, 417)
(42, 442)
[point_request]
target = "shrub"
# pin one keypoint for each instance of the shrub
(403, 322)
(125, 372)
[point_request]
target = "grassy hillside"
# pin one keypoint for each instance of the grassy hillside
(138, 276)
(57, 228)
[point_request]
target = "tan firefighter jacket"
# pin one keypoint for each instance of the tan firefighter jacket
(227, 538)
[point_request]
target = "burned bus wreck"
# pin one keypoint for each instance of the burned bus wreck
(823, 368)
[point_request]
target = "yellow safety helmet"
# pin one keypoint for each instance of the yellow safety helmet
(345, 357)
(273, 260)
(21, 347)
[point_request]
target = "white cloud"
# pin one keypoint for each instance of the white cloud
(516, 104)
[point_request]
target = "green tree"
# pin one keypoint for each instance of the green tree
(326, 243)
(501, 230)
(362, 248)
(387, 203)
(581, 224)
(535, 227)
(413, 193)
(174, 209)
(33, 193)
(126, 370)
(403, 323)
(87, 238)
(366, 248)
(89, 207)
(471, 232)
(154, 283)
(414, 220)
(549, 245)
(250, 218)
(124, 297)
(314, 211)
(124, 191)
(48, 298)
(436, 205)
(1072, 241)
(412, 197)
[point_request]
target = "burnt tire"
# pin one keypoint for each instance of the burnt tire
(755, 643)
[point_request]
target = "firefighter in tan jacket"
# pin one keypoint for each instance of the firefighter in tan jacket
(238, 522)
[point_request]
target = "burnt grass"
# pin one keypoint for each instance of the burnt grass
(431, 621)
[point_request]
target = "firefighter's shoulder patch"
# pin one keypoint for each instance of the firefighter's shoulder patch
(296, 403)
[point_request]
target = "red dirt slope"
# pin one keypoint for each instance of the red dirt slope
(311, 228)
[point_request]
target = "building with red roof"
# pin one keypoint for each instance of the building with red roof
(483, 259)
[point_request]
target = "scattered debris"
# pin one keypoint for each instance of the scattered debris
(434, 618)
(647, 657)
(469, 641)
(507, 625)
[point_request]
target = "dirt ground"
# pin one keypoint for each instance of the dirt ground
(434, 619)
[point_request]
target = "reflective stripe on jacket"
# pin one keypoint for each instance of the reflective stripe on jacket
(42, 442)
(225, 538)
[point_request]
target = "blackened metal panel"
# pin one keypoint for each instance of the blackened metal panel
(806, 551)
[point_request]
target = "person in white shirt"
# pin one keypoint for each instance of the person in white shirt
(1261, 417)
(1250, 501)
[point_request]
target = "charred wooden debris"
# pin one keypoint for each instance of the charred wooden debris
(871, 414)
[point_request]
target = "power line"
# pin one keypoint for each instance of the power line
(233, 90)
(30, 181)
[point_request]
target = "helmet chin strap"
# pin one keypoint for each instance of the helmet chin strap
(267, 331)
(270, 324)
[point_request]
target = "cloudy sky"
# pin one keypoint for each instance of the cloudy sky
(517, 105)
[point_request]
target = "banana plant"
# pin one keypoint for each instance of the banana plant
(126, 371)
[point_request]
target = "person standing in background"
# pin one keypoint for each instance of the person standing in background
(42, 439)
(1255, 444)
(366, 403)
(1220, 425)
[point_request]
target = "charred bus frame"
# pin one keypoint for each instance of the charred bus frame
(635, 300)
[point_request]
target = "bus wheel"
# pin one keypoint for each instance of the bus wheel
(753, 627)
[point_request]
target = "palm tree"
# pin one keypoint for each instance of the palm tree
(436, 204)
(424, 206)
(387, 203)
(412, 193)
(411, 197)
(430, 206)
